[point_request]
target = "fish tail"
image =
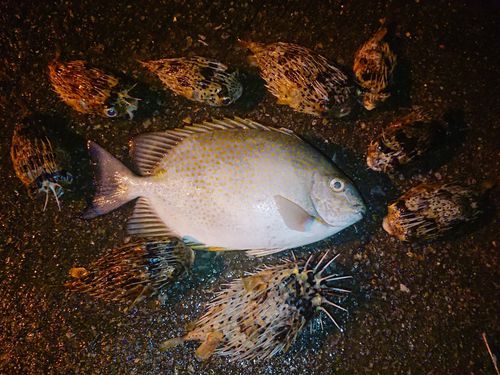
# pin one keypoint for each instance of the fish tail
(112, 182)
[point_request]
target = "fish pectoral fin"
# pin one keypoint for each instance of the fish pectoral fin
(145, 222)
(294, 216)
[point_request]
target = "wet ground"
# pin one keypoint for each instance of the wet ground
(416, 309)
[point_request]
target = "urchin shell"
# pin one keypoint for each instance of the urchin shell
(374, 65)
(260, 315)
(132, 273)
(303, 79)
(404, 140)
(198, 79)
(430, 210)
(90, 90)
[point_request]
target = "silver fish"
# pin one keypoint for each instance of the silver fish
(230, 184)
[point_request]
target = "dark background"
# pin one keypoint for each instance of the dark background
(415, 309)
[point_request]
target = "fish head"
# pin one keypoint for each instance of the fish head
(343, 109)
(121, 104)
(336, 200)
(226, 90)
(341, 102)
(375, 158)
(380, 157)
(51, 183)
(372, 100)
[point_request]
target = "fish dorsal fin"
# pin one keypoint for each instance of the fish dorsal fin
(148, 149)
(145, 222)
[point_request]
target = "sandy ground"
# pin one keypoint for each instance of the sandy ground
(416, 309)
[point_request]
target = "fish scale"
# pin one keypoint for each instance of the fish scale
(248, 162)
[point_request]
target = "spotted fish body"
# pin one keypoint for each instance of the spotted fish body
(430, 210)
(35, 161)
(199, 79)
(133, 272)
(303, 79)
(405, 140)
(90, 90)
(374, 65)
(229, 185)
(260, 315)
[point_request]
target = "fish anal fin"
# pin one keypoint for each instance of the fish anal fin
(194, 244)
(294, 216)
(145, 222)
(262, 252)
(215, 248)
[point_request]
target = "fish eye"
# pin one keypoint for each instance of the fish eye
(111, 112)
(337, 185)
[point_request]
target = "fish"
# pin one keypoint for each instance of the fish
(374, 66)
(260, 315)
(405, 140)
(90, 90)
(133, 272)
(431, 210)
(199, 79)
(36, 162)
(303, 79)
(230, 184)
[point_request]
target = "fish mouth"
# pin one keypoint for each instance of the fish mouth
(361, 208)
(360, 212)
